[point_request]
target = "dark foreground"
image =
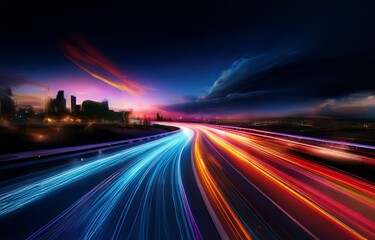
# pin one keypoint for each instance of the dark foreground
(21, 137)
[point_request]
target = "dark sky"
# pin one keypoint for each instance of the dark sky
(237, 58)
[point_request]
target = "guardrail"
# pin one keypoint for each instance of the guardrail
(301, 138)
(75, 149)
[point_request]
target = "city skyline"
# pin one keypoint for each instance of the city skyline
(270, 62)
(71, 104)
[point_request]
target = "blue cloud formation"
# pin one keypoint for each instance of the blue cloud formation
(284, 82)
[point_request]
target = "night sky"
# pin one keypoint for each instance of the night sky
(235, 59)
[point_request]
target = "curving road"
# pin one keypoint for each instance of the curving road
(202, 182)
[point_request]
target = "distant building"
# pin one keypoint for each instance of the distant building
(77, 109)
(126, 117)
(7, 107)
(99, 111)
(105, 104)
(25, 113)
(57, 106)
(60, 102)
(95, 109)
(51, 106)
(73, 104)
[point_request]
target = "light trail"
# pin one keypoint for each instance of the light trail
(125, 200)
(89, 59)
(23, 193)
(248, 186)
(315, 139)
(324, 194)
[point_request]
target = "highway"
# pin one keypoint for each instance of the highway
(201, 182)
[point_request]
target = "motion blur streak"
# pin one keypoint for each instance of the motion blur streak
(127, 201)
(25, 192)
(310, 193)
(229, 218)
(243, 184)
(89, 59)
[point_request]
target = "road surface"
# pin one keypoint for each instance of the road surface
(201, 182)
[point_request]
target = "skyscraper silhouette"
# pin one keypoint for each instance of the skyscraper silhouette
(60, 102)
(73, 104)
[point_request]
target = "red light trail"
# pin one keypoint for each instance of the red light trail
(244, 185)
(325, 202)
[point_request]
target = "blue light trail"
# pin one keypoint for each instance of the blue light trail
(199, 182)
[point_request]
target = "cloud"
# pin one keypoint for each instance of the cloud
(354, 105)
(242, 76)
(14, 81)
(24, 91)
(283, 82)
(28, 99)
(89, 59)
